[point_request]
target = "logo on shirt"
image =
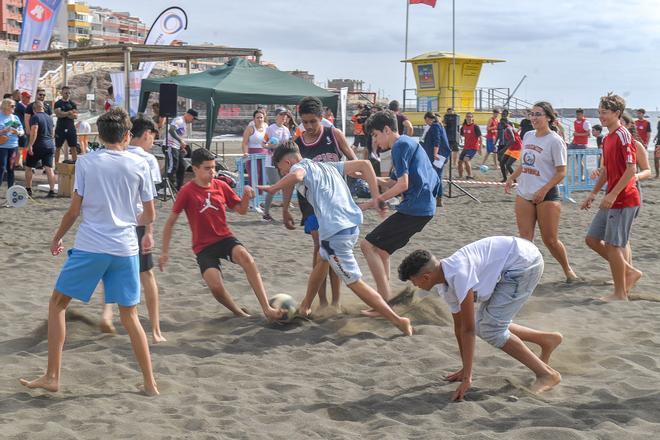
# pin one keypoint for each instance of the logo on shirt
(208, 204)
(529, 158)
(328, 141)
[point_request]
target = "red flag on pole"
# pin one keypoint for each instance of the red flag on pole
(431, 3)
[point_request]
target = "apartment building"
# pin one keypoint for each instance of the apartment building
(11, 18)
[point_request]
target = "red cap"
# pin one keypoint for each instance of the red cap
(26, 95)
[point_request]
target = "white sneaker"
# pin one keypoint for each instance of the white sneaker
(258, 210)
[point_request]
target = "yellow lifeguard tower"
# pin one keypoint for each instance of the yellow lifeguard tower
(434, 73)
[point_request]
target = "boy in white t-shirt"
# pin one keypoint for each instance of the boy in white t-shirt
(500, 273)
(143, 134)
(110, 184)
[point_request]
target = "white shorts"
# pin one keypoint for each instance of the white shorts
(338, 251)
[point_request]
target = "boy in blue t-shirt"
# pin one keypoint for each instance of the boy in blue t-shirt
(324, 187)
(415, 179)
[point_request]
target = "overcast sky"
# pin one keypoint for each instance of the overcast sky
(571, 51)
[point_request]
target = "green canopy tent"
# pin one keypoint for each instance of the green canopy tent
(238, 82)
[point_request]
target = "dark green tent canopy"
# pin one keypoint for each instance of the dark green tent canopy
(238, 82)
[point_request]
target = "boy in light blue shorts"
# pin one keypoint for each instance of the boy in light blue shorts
(110, 184)
(499, 273)
(324, 187)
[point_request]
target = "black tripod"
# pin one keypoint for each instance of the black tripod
(167, 184)
(458, 187)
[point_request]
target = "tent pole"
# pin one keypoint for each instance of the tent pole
(188, 101)
(127, 79)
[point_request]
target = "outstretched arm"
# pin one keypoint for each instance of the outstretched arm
(287, 182)
(167, 236)
(248, 194)
(68, 220)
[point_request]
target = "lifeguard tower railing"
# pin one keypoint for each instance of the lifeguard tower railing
(485, 99)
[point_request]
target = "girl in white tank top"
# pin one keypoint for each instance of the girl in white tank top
(253, 136)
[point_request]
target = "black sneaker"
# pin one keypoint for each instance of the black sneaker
(51, 194)
(29, 191)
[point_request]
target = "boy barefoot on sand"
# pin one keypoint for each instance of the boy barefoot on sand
(609, 232)
(110, 184)
(205, 200)
(500, 273)
(324, 187)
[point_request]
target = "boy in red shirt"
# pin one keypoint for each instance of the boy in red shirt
(205, 200)
(491, 137)
(643, 127)
(471, 145)
(610, 229)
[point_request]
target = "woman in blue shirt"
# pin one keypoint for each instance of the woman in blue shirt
(10, 130)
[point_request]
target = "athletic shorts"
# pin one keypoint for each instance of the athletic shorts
(613, 225)
(338, 251)
(146, 260)
(45, 156)
(467, 153)
(68, 136)
(359, 140)
(210, 256)
(395, 232)
(509, 296)
(82, 272)
(551, 196)
(453, 145)
(311, 224)
(490, 145)
(572, 146)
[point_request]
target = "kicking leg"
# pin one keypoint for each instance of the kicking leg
(323, 299)
(380, 306)
(379, 265)
(148, 281)
(131, 322)
(548, 341)
(56, 334)
(213, 279)
(318, 275)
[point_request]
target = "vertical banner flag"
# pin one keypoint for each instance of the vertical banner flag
(431, 3)
(39, 18)
(119, 89)
(167, 27)
(343, 100)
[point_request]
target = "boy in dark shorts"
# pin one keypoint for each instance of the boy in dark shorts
(205, 201)
(413, 177)
(609, 232)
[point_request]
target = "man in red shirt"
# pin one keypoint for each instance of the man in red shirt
(610, 229)
(205, 200)
(491, 137)
(581, 131)
(643, 127)
(471, 145)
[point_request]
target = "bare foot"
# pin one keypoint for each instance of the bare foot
(107, 327)
(405, 326)
(370, 313)
(44, 382)
(632, 276)
(545, 383)
(572, 277)
(552, 342)
(150, 390)
(304, 311)
(158, 337)
(613, 297)
(242, 313)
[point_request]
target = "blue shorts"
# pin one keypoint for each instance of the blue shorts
(82, 272)
(467, 153)
(311, 224)
(338, 251)
(490, 145)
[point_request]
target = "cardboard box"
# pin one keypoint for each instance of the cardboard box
(66, 173)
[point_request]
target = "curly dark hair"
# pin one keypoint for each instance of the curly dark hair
(413, 264)
(380, 120)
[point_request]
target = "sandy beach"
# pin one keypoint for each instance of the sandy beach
(339, 376)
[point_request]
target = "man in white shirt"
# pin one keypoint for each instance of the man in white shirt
(176, 147)
(110, 185)
(143, 134)
(500, 273)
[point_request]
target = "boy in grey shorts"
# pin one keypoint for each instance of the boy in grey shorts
(499, 273)
(324, 187)
(610, 229)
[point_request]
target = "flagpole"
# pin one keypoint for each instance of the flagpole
(405, 59)
(453, 54)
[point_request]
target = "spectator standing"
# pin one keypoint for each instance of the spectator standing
(41, 147)
(491, 138)
(643, 127)
(176, 147)
(65, 130)
(436, 146)
(29, 111)
(11, 130)
(581, 131)
(471, 145)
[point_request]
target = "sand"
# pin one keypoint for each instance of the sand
(340, 376)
